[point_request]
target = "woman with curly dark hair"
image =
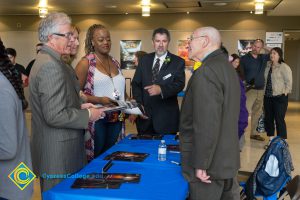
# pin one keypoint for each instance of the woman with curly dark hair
(14, 143)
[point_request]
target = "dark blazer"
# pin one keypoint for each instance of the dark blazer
(162, 110)
(209, 120)
(57, 120)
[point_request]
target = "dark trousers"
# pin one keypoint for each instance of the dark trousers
(106, 135)
(145, 127)
(47, 184)
(216, 190)
(275, 109)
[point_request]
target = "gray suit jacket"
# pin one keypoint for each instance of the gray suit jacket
(57, 120)
(14, 142)
(209, 120)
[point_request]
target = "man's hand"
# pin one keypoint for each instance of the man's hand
(96, 114)
(83, 96)
(153, 90)
(201, 174)
(87, 105)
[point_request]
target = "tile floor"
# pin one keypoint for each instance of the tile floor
(252, 150)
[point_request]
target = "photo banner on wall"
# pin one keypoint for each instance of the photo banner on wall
(127, 51)
(244, 46)
(183, 52)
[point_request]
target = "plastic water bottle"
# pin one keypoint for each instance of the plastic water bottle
(162, 151)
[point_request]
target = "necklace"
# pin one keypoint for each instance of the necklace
(116, 94)
(109, 69)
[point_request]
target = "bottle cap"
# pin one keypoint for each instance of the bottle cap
(162, 141)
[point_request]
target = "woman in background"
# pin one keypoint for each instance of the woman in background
(278, 76)
(243, 117)
(74, 46)
(137, 57)
(14, 143)
(102, 82)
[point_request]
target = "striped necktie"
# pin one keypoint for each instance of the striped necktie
(155, 70)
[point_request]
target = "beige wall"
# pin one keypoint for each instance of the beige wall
(20, 32)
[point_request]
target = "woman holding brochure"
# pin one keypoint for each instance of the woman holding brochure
(102, 82)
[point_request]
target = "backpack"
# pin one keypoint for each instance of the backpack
(272, 171)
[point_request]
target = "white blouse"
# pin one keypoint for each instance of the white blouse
(104, 85)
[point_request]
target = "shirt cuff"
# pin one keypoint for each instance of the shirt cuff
(89, 113)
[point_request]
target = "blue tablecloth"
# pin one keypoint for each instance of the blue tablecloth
(159, 180)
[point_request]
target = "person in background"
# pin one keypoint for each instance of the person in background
(102, 82)
(69, 58)
(12, 54)
(137, 57)
(278, 76)
(243, 117)
(29, 66)
(158, 79)
(209, 121)
(253, 66)
(14, 142)
(58, 122)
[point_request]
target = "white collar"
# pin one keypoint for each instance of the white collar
(161, 58)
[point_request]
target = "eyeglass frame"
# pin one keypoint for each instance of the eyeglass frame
(67, 35)
(191, 38)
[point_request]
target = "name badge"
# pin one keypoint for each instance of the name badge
(167, 76)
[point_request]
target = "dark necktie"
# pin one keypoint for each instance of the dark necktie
(155, 70)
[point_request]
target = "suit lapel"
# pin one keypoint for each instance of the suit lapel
(165, 65)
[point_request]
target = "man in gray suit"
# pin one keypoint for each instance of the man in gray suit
(209, 121)
(57, 120)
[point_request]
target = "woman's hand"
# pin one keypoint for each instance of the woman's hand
(106, 101)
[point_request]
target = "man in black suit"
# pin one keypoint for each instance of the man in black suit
(158, 78)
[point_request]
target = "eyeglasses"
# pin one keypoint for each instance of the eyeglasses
(191, 38)
(66, 35)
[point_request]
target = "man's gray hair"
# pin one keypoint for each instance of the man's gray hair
(51, 23)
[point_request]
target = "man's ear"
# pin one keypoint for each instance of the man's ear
(206, 42)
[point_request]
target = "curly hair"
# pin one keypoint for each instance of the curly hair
(9, 71)
(89, 36)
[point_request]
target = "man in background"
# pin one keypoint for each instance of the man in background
(12, 55)
(209, 142)
(158, 79)
(253, 66)
(29, 66)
